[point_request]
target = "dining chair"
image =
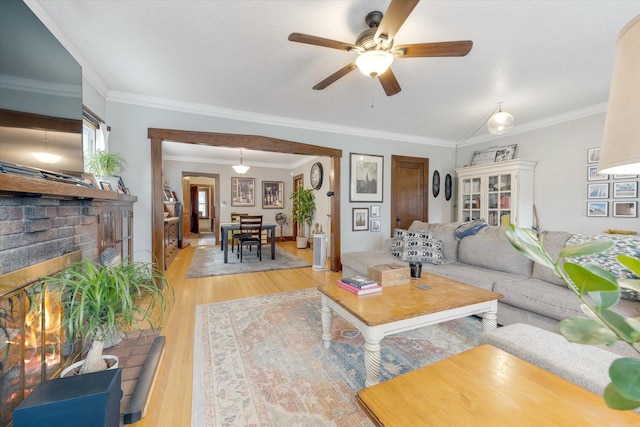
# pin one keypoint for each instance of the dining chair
(250, 234)
(234, 234)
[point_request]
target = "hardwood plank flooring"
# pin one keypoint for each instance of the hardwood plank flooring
(170, 403)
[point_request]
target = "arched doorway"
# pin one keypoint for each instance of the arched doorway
(253, 142)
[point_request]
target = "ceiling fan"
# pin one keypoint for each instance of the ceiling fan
(375, 47)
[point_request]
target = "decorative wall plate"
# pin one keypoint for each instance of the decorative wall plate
(447, 187)
(435, 184)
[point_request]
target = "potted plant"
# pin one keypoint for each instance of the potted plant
(599, 291)
(99, 300)
(302, 212)
(105, 165)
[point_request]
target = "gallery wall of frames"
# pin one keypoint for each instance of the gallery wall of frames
(610, 195)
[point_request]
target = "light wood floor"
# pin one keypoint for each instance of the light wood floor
(170, 403)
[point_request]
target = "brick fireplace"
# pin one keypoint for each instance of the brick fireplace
(33, 344)
(44, 225)
(36, 229)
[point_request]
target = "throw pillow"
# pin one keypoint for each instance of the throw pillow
(397, 244)
(421, 247)
(628, 245)
(470, 228)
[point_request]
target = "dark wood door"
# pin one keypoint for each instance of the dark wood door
(195, 225)
(409, 191)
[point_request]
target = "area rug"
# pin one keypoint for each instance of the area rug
(261, 361)
(209, 261)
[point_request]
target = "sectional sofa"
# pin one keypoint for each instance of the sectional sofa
(533, 295)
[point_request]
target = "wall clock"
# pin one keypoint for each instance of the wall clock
(316, 175)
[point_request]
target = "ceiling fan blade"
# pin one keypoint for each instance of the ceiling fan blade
(459, 48)
(319, 41)
(394, 17)
(389, 82)
(335, 76)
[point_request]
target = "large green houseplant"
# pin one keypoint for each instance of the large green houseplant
(599, 292)
(99, 300)
(302, 212)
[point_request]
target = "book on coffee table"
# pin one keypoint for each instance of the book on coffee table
(359, 282)
(358, 291)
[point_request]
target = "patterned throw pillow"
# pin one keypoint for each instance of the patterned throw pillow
(421, 247)
(397, 244)
(627, 245)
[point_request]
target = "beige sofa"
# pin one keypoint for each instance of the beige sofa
(533, 295)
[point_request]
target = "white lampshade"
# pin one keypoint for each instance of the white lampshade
(620, 150)
(374, 62)
(240, 168)
(500, 123)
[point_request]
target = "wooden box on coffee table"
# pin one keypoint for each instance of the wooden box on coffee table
(391, 274)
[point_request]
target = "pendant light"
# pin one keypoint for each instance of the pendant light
(620, 152)
(501, 122)
(241, 169)
(45, 156)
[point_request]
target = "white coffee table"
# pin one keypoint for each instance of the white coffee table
(403, 308)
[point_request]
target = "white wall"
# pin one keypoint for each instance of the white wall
(561, 174)
(129, 124)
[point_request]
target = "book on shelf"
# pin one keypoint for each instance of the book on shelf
(358, 291)
(359, 281)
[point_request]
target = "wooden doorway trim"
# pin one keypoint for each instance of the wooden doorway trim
(253, 142)
(298, 180)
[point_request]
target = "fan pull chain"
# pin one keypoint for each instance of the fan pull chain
(372, 92)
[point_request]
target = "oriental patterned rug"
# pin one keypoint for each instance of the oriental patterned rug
(261, 361)
(209, 261)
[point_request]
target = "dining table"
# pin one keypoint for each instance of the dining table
(231, 226)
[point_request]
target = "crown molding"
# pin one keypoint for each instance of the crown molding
(226, 113)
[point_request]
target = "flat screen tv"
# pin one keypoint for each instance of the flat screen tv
(40, 93)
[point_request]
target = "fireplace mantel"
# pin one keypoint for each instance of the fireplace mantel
(25, 186)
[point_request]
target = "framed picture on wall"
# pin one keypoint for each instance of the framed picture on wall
(598, 191)
(597, 208)
(627, 190)
(365, 178)
(243, 191)
(272, 194)
(360, 219)
(593, 155)
(375, 225)
(593, 175)
(375, 211)
(625, 209)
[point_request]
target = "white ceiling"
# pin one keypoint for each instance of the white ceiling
(546, 60)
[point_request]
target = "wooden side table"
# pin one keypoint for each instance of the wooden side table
(486, 386)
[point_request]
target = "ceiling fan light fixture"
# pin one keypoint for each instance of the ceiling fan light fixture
(374, 62)
(500, 123)
(241, 169)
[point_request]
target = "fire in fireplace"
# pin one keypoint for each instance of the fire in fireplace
(33, 345)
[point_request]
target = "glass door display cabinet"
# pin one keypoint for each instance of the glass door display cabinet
(501, 193)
